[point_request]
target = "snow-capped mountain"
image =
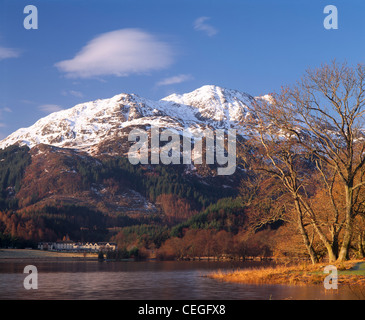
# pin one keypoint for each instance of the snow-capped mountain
(217, 106)
(87, 124)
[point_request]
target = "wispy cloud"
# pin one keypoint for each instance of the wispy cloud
(119, 53)
(74, 93)
(174, 80)
(6, 53)
(49, 108)
(77, 94)
(200, 24)
(3, 124)
(2, 111)
(5, 109)
(26, 101)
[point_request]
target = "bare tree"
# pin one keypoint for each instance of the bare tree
(322, 118)
(276, 155)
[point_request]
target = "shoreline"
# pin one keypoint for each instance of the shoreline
(47, 255)
(14, 255)
(350, 273)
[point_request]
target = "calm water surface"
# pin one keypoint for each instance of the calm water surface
(144, 281)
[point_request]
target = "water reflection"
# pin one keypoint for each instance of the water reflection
(144, 281)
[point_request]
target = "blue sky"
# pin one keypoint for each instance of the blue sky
(87, 49)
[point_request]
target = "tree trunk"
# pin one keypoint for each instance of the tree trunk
(304, 234)
(361, 245)
(332, 255)
(334, 245)
(344, 252)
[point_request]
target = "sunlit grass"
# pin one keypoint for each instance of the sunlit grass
(300, 274)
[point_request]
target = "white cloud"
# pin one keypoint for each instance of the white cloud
(74, 93)
(119, 53)
(49, 108)
(6, 109)
(175, 79)
(26, 101)
(77, 94)
(6, 53)
(2, 110)
(3, 124)
(201, 25)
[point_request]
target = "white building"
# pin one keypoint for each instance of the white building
(72, 246)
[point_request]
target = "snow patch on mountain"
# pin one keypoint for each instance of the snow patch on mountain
(87, 124)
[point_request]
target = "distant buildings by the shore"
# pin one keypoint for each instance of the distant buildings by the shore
(72, 246)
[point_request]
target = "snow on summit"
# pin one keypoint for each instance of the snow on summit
(215, 103)
(87, 124)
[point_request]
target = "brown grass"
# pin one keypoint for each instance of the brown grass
(300, 274)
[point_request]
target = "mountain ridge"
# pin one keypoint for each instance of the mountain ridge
(87, 124)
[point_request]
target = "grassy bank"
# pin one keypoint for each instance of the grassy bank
(350, 272)
(22, 254)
